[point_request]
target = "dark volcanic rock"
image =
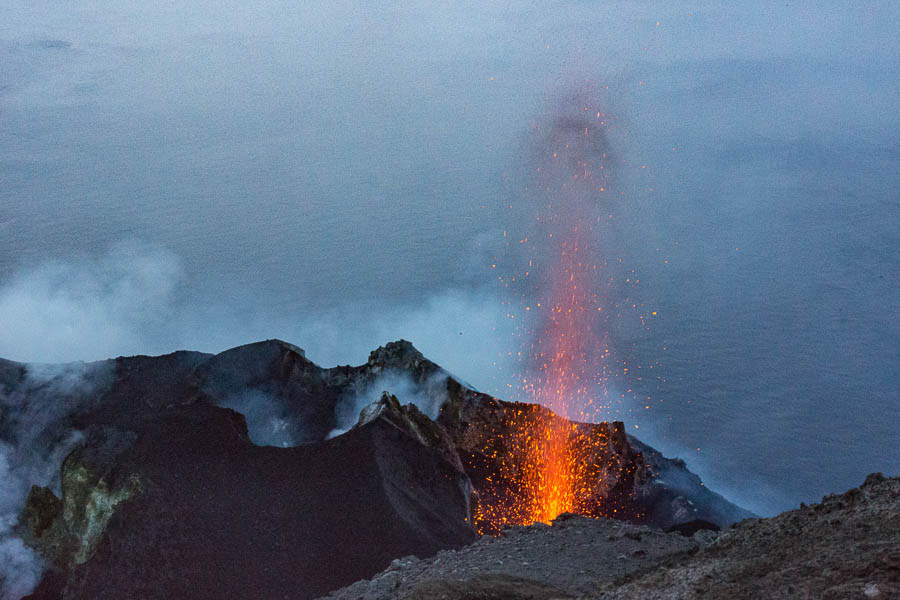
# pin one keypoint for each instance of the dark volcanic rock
(485, 587)
(142, 386)
(674, 495)
(568, 559)
(177, 485)
(217, 517)
(411, 419)
(845, 547)
(402, 356)
(692, 527)
(300, 396)
(41, 508)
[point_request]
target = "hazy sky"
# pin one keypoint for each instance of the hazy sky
(211, 174)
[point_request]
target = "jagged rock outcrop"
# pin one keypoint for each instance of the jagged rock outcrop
(402, 356)
(411, 419)
(674, 495)
(67, 530)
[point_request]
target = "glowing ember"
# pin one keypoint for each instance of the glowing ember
(548, 464)
(536, 465)
(565, 359)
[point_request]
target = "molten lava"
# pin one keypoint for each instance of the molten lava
(548, 463)
(565, 361)
(534, 465)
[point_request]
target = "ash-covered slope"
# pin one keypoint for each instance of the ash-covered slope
(256, 473)
(846, 547)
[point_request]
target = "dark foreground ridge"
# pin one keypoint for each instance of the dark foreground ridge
(254, 473)
(846, 547)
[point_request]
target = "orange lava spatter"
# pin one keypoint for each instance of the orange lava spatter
(536, 465)
(565, 365)
(549, 463)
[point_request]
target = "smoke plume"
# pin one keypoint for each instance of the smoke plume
(560, 264)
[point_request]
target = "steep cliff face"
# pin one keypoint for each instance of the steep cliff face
(243, 474)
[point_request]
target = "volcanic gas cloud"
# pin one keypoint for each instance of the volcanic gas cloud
(560, 279)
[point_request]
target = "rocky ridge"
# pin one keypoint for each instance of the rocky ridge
(848, 546)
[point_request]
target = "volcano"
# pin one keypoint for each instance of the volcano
(256, 473)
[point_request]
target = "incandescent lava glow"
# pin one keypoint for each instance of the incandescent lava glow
(560, 274)
(566, 371)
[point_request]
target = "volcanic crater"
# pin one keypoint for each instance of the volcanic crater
(166, 492)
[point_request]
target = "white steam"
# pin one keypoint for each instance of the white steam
(136, 298)
(20, 568)
(88, 308)
(268, 421)
(33, 443)
(428, 396)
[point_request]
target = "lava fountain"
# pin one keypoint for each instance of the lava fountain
(566, 366)
(564, 287)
